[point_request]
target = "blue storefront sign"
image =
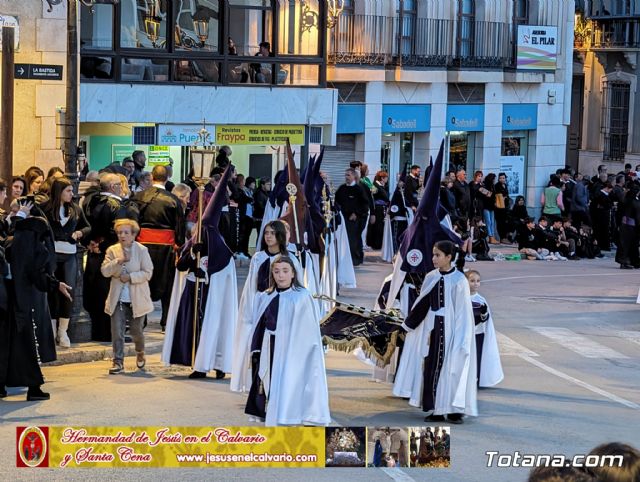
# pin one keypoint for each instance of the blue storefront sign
(519, 117)
(406, 118)
(465, 117)
(350, 119)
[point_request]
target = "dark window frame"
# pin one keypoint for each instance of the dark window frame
(469, 50)
(615, 119)
(222, 57)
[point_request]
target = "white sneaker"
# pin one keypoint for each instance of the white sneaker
(241, 256)
(560, 257)
(469, 259)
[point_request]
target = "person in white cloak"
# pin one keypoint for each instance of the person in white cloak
(488, 355)
(289, 382)
(444, 318)
(217, 304)
(274, 243)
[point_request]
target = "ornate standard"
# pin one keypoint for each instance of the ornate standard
(293, 190)
(201, 161)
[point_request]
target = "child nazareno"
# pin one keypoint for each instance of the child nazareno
(129, 266)
(289, 382)
(488, 356)
(443, 317)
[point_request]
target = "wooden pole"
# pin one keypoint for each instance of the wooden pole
(6, 117)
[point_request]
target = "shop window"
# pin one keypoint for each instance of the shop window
(406, 150)
(94, 67)
(615, 120)
(298, 74)
(298, 28)
(250, 26)
(143, 24)
(96, 27)
(196, 70)
(461, 150)
(466, 27)
(132, 70)
(197, 25)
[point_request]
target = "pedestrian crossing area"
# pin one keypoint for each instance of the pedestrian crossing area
(587, 346)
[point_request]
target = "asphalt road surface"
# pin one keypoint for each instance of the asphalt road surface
(569, 335)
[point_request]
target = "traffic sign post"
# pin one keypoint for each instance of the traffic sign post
(38, 72)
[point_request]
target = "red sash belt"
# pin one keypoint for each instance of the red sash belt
(156, 236)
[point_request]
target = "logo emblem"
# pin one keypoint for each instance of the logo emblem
(204, 263)
(414, 257)
(33, 447)
(394, 209)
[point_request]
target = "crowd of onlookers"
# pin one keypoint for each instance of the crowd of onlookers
(580, 217)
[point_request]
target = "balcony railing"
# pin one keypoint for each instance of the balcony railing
(620, 34)
(606, 9)
(377, 40)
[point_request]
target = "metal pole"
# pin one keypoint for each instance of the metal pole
(70, 147)
(196, 294)
(6, 119)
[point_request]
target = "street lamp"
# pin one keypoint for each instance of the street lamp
(201, 161)
(334, 9)
(201, 28)
(152, 25)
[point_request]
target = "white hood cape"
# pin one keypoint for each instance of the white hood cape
(491, 368)
(296, 384)
(241, 365)
(456, 391)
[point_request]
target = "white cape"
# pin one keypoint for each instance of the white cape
(387, 241)
(179, 282)
(215, 348)
(456, 391)
(296, 384)
(241, 365)
(329, 281)
(346, 273)
(491, 368)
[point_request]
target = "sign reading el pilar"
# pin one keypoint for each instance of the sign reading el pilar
(38, 72)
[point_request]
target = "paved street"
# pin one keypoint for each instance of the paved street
(570, 342)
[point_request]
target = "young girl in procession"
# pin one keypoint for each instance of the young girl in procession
(488, 356)
(129, 266)
(274, 243)
(289, 382)
(444, 316)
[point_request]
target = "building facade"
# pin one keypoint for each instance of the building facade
(411, 73)
(154, 71)
(382, 81)
(40, 33)
(606, 109)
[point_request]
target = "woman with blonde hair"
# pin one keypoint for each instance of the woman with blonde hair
(129, 266)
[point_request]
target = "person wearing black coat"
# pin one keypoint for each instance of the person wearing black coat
(30, 255)
(627, 255)
(353, 202)
(162, 228)
(601, 206)
(69, 226)
(102, 210)
(260, 200)
(375, 233)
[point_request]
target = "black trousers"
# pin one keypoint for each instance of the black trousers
(628, 251)
(354, 234)
(246, 226)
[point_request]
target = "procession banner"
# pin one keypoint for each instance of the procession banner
(73, 447)
(259, 135)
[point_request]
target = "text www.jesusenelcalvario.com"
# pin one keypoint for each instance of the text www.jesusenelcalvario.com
(210, 458)
(517, 459)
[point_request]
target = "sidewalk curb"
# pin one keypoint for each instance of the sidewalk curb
(100, 352)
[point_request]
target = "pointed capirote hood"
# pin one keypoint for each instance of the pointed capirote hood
(219, 252)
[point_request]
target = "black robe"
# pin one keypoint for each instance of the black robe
(101, 212)
(157, 208)
(31, 340)
(375, 233)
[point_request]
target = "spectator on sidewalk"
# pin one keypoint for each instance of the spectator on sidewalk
(353, 201)
(129, 267)
(579, 202)
(551, 199)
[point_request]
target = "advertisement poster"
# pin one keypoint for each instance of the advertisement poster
(537, 47)
(513, 167)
